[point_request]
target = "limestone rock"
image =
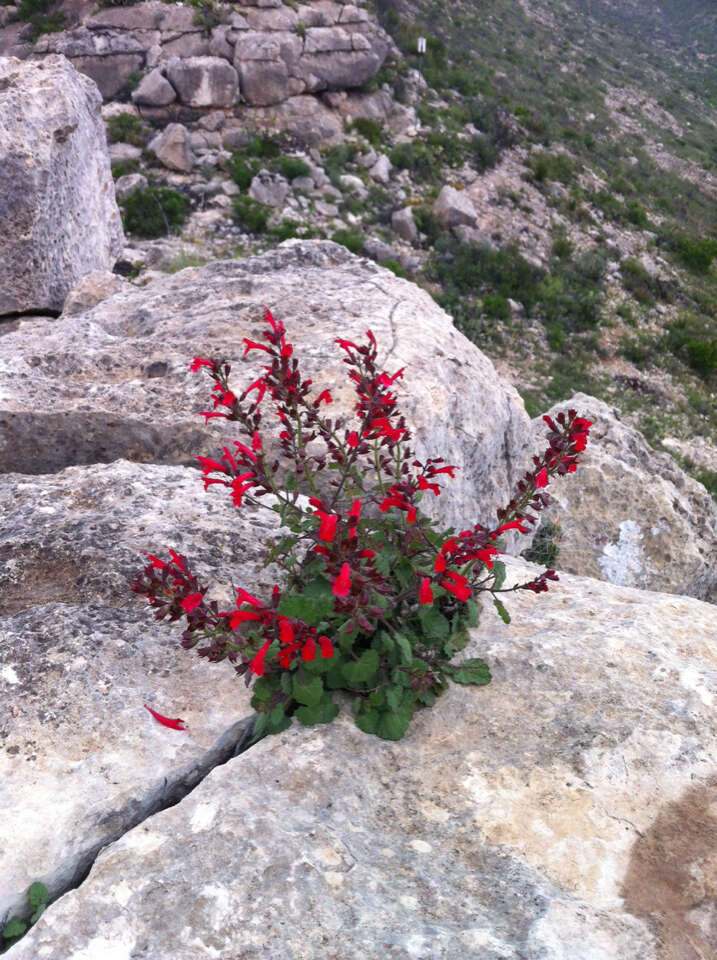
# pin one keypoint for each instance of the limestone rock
(203, 81)
(270, 189)
(154, 90)
(173, 149)
(125, 186)
(457, 405)
(404, 225)
(81, 654)
(633, 517)
(565, 811)
(381, 170)
(94, 287)
(57, 206)
(453, 208)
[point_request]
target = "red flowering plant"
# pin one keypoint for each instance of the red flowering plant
(376, 599)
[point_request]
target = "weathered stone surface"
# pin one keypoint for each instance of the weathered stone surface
(57, 206)
(81, 759)
(321, 71)
(154, 90)
(110, 73)
(268, 188)
(634, 517)
(451, 394)
(326, 40)
(565, 812)
(404, 225)
(453, 208)
(381, 170)
(204, 81)
(304, 117)
(173, 149)
(96, 286)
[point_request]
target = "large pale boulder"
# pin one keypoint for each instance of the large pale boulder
(633, 517)
(565, 812)
(172, 147)
(203, 81)
(80, 392)
(57, 205)
(80, 758)
(454, 208)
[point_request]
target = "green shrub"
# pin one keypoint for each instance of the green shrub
(125, 128)
(395, 267)
(155, 212)
(635, 214)
(122, 167)
(242, 170)
(427, 223)
(551, 166)
(350, 239)
(696, 255)
(250, 215)
(369, 129)
(291, 167)
(708, 479)
(264, 146)
(638, 281)
(496, 307)
(288, 229)
(693, 339)
(44, 16)
(562, 248)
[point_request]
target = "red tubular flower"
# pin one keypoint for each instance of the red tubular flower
(244, 597)
(353, 439)
(541, 480)
(449, 546)
(286, 631)
(251, 345)
(327, 527)
(342, 583)
(457, 585)
(178, 560)
(367, 554)
(346, 345)
(256, 441)
(173, 724)
(191, 602)
(208, 415)
(323, 397)
(425, 594)
(327, 648)
(208, 465)
(434, 471)
(286, 655)
(308, 651)
(423, 484)
(194, 368)
(258, 385)
(156, 563)
(513, 525)
(355, 511)
(237, 617)
(257, 664)
(440, 564)
(550, 423)
(319, 549)
(384, 380)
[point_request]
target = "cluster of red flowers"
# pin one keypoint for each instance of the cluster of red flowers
(341, 538)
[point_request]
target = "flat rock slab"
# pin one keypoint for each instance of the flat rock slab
(565, 811)
(81, 760)
(114, 381)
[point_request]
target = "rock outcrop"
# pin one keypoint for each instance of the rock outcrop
(57, 204)
(567, 810)
(80, 758)
(267, 52)
(634, 518)
(114, 381)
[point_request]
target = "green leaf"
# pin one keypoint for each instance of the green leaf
(363, 670)
(473, 613)
(38, 913)
(434, 625)
(14, 928)
(322, 712)
(259, 727)
(262, 691)
(334, 679)
(383, 560)
(277, 714)
(499, 574)
(502, 612)
(405, 648)
(312, 605)
(473, 671)
(393, 724)
(393, 697)
(38, 894)
(367, 721)
(309, 691)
